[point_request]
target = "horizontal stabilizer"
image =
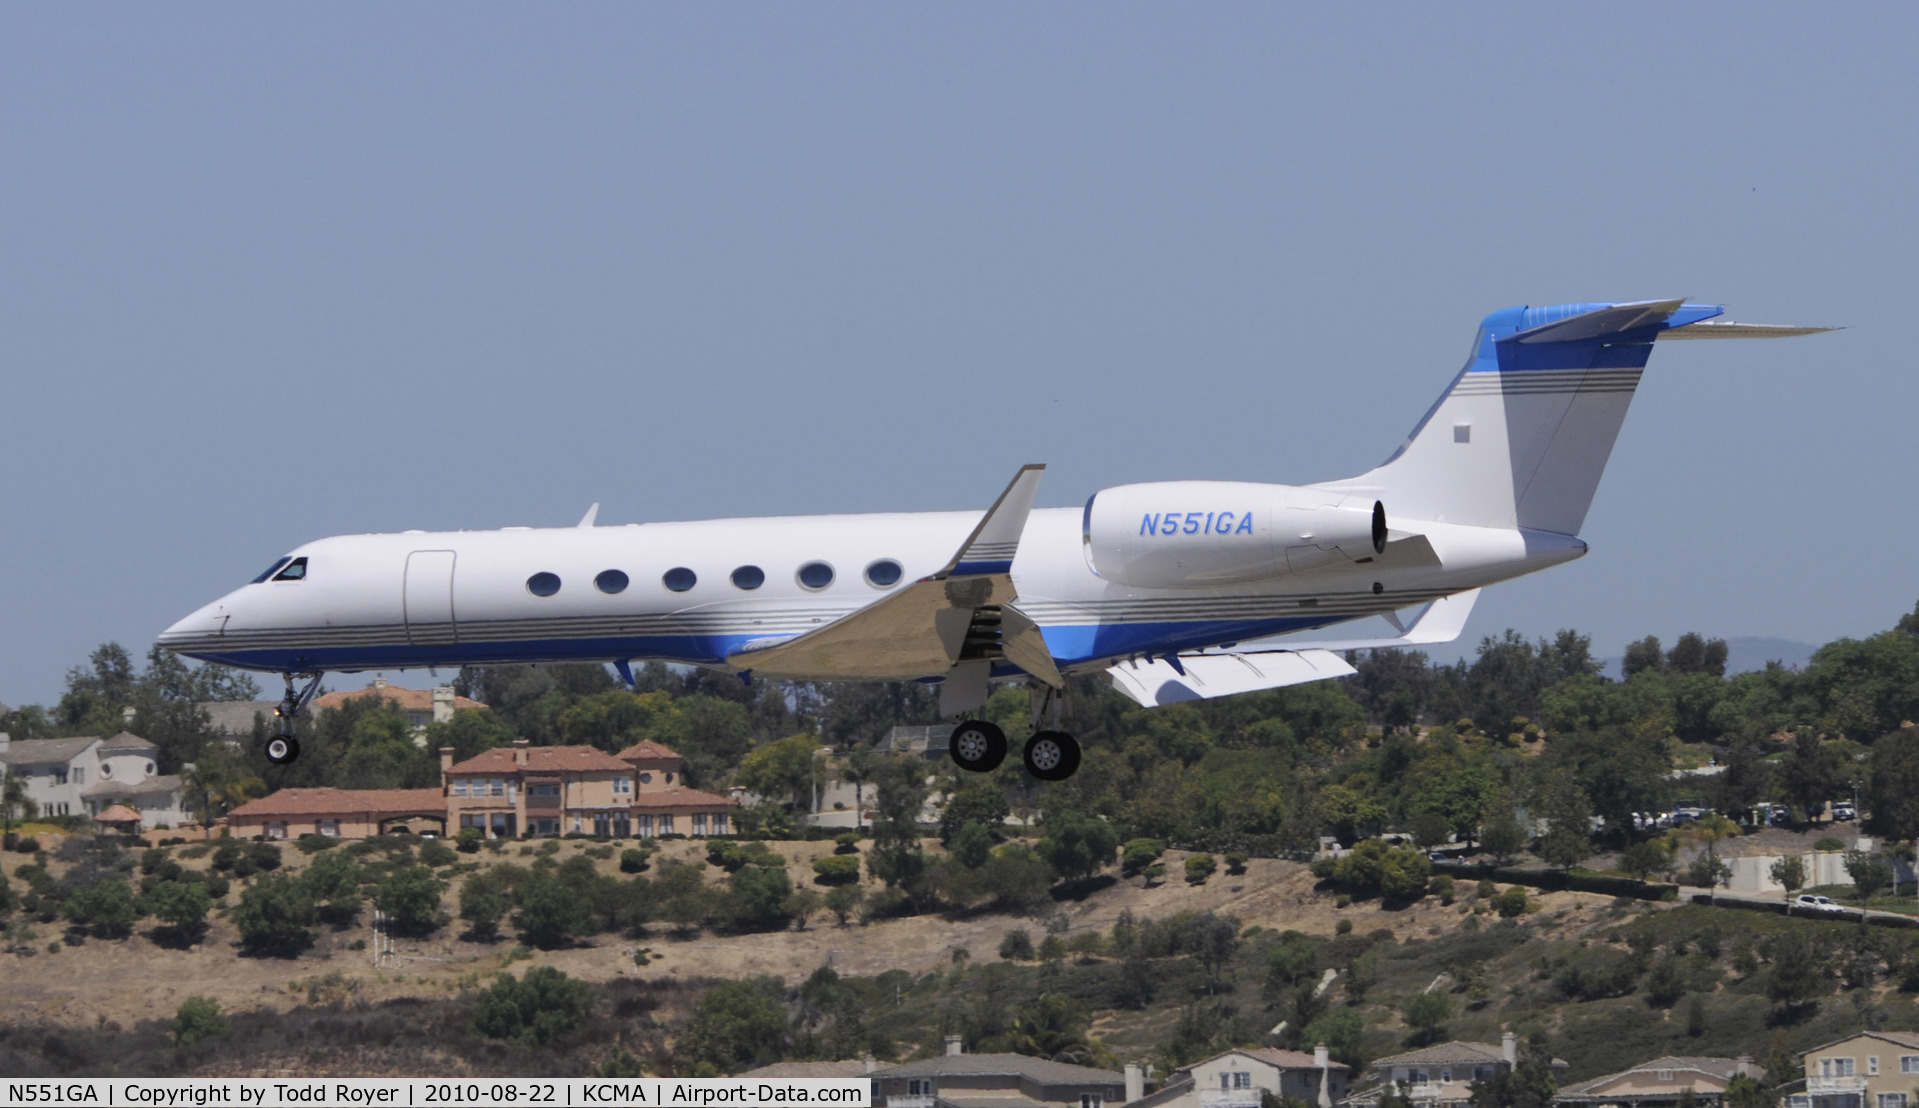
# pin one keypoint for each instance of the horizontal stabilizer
(1206, 676)
(1731, 330)
(1612, 319)
(1441, 621)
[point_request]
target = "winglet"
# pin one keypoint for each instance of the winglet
(991, 546)
(592, 514)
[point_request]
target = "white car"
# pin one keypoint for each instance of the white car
(1806, 902)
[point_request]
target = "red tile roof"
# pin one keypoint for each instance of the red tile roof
(409, 700)
(541, 759)
(679, 796)
(118, 813)
(647, 748)
(327, 802)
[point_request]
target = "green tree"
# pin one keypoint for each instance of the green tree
(1077, 845)
(843, 901)
(760, 895)
(1643, 859)
(1745, 1091)
(409, 897)
(784, 772)
(485, 898)
(1017, 945)
(539, 1007)
(106, 908)
(895, 856)
(979, 800)
(469, 731)
(1427, 1014)
(275, 916)
(837, 869)
(551, 914)
(197, 1020)
(1892, 786)
(15, 805)
(1870, 873)
(1140, 853)
(1790, 872)
(736, 1025)
(1799, 972)
(332, 883)
(1053, 1026)
(1500, 831)
(1343, 1033)
(1199, 867)
(1813, 772)
(182, 907)
(1564, 806)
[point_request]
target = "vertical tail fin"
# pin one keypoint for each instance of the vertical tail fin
(1521, 436)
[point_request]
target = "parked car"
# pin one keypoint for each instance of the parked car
(1843, 809)
(1807, 902)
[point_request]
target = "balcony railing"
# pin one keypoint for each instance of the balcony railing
(910, 1100)
(1229, 1098)
(1835, 1084)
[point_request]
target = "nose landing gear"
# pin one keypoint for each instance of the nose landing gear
(283, 748)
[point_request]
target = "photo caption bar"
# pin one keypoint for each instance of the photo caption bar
(409, 1092)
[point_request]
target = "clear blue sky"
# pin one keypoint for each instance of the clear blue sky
(274, 272)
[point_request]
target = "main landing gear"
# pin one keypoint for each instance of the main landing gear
(283, 748)
(979, 747)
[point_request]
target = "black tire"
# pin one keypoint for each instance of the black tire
(282, 751)
(977, 746)
(1051, 755)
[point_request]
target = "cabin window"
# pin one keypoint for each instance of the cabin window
(543, 584)
(295, 570)
(749, 577)
(271, 570)
(679, 579)
(816, 575)
(883, 574)
(611, 581)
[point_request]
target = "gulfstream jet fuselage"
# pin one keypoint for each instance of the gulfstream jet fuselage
(1167, 586)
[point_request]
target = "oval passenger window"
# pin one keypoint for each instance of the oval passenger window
(679, 579)
(543, 584)
(749, 577)
(611, 581)
(883, 573)
(816, 575)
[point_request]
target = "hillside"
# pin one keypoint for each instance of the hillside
(1609, 982)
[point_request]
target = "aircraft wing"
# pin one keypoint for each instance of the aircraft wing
(1202, 675)
(921, 629)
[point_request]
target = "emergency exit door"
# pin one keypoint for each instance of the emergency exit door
(429, 598)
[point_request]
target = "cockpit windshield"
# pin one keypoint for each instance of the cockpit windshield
(286, 569)
(271, 570)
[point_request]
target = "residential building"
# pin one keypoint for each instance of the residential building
(338, 813)
(538, 790)
(960, 1080)
(84, 775)
(235, 719)
(422, 706)
(1660, 1082)
(928, 741)
(1872, 1069)
(663, 803)
(1237, 1078)
(1440, 1075)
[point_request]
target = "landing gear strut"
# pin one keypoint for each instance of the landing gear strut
(283, 748)
(1050, 755)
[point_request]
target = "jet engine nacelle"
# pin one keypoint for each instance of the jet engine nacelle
(1191, 534)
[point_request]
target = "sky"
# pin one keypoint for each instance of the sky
(275, 272)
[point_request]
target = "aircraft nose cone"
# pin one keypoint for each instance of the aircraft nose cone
(202, 628)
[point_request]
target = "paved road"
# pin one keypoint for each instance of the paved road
(1778, 906)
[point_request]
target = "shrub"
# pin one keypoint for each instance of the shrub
(1236, 862)
(197, 1020)
(332, 883)
(1510, 903)
(1199, 867)
(1443, 887)
(1826, 844)
(1140, 853)
(843, 901)
(632, 860)
(1343, 927)
(468, 840)
(264, 856)
(837, 869)
(310, 843)
(1017, 946)
(846, 842)
(759, 897)
(436, 853)
(26, 844)
(1395, 872)
(275, 916)
(534, 1010)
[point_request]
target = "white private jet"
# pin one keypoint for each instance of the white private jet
(1168, 587)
